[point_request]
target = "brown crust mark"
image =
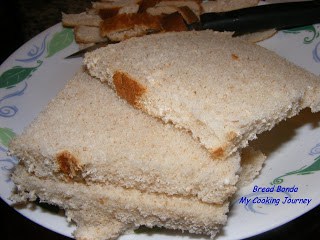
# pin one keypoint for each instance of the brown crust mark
(125, 22)
(128, 88)
(220, 152)
(188, 15)
(69, 164)
(108, 12)
(217, 153)
(234, 56)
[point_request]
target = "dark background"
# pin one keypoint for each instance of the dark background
(20, 20)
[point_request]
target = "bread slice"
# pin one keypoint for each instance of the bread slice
(103, 211)
(87, 134)
(80, 19)
(226, 5)
(97, 214)
(223, 90)
(114, 4)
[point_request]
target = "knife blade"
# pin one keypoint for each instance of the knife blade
(248, 20)
(254, 19)
(81, 52)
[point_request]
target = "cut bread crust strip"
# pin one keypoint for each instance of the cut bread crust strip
(207, 83)
(117, 14)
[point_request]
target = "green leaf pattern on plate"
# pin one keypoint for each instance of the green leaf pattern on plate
(59, 41)
(6, 134)
(313, 167)
(11, 77)
(16, 75)
(311, 29)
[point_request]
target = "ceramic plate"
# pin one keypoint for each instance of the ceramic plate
(37, 71)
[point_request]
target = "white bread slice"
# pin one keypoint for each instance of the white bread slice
(223, 90)
(226, 5)
(85, 19)
(97, 207)
(87, 134)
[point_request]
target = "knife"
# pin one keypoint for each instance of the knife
(254, 19)
(248, 20)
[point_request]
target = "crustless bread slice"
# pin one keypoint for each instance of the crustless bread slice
(103, 211)
(87, 134)
(223, 90)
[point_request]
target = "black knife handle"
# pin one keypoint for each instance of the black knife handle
(272, 16)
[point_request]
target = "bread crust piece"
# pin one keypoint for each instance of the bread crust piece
(81, 19)
(88, 34)
(123, 26)
(88, 135)
(210, 84)
(95, 208)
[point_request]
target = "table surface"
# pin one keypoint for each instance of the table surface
(23, 19)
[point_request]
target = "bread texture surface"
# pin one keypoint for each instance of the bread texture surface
(87, 134)
(223, 90)
(112, 168)
(105, 212)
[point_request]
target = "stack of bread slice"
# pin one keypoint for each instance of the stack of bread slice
(113, 168)
(110, 20)
(154, 131)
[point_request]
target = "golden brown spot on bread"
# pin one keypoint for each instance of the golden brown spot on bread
(231, 136)
(68, 164)
(217, 153)
(234, 56)
(128, 88)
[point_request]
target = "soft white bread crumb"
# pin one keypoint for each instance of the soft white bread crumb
(88, 34)
(97, 207)
(226, 5)
(88, 134)
(223, 90)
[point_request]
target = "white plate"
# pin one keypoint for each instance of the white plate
(37, 71)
